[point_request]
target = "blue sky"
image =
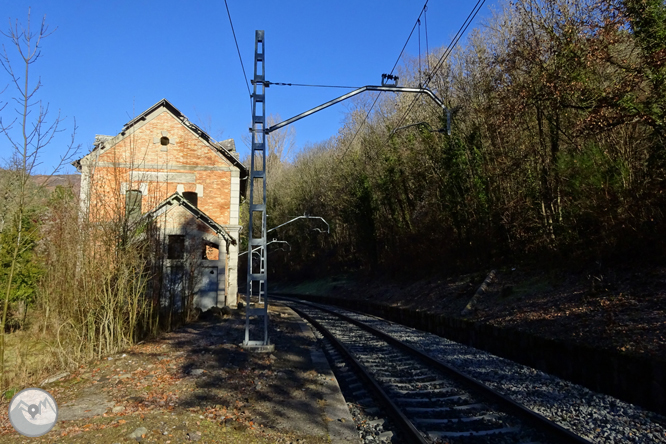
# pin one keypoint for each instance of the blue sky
(110, 60)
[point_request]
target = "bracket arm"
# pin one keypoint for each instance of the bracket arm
(352, 94)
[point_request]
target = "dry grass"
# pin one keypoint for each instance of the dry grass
(98, 294)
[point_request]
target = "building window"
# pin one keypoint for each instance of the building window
(211, 251)
(176, 246)
(133, 204)
(192, 197)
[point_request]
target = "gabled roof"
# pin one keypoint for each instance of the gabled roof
(225, 147)
(177, 199)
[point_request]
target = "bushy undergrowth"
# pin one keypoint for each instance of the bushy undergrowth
(99, 292)
(93, 291)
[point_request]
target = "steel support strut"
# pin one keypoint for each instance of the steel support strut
(385, 88)
(256, 269)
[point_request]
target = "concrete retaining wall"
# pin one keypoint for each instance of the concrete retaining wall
(633, 379)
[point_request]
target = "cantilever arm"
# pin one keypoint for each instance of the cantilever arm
(352, 94)
(305, 216)
(274, 241)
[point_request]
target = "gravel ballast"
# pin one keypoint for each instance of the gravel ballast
(597, 417)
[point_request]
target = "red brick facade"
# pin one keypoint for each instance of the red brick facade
(158, 154)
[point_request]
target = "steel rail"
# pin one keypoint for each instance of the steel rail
(411, 432)
(535, 419)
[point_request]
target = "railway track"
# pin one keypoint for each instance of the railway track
(427, 400)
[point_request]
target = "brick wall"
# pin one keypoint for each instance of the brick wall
(139, 161)
(159, 155)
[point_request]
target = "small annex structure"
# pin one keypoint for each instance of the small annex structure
(163, 167)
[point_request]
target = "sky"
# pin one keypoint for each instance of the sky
(108, 61)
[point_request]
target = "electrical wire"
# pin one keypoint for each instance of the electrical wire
(419, 22)
(313, 86)
(365, 119)
(239, 54)
(425, 19)
(458, 36)
(446, 53)
(410, 36)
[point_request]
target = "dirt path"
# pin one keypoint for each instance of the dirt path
(195, 384)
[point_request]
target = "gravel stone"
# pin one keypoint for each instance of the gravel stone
(599, 418)
(136, 434)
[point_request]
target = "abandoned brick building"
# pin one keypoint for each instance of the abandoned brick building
(164, 167)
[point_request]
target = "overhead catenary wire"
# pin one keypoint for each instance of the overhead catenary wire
(425, 6)
(313, 86)
(239, 53)
(457, 37)
(461, 31)
(416, 23)
(419, 22)
(425, 21)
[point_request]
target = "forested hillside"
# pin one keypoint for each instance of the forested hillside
(557, 151)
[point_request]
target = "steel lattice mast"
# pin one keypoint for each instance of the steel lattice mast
(256, 270)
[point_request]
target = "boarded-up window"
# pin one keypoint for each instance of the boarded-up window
(133, 204)
(176, 246)
(192, 197)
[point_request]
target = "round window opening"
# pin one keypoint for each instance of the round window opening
(164, 141)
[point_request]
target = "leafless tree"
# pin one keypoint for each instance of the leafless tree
(29, 130)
